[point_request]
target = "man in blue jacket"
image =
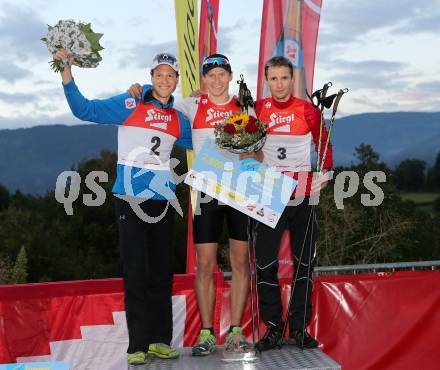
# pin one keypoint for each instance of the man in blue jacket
(144, 189)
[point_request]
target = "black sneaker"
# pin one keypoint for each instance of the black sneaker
(271, 339)
(296, 338)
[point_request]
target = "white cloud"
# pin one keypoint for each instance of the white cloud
(368, 74)
(20, 31)
(141, 54)
(384, 51)
(349, 21)
(22, 98)
(11, 72)
(251, 69)
(431, 86)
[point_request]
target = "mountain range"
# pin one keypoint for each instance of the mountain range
(32, 158)
(395, 136)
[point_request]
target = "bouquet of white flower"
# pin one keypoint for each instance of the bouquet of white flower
(78, 39)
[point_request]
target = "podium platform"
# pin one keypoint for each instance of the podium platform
(286, 358)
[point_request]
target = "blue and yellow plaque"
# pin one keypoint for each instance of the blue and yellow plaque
(248, 185)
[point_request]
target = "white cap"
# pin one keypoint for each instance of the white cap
(165, 58)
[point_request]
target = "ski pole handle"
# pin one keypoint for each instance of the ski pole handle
(338, 98)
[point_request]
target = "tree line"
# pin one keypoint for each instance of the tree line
(414, 175)
(39, 242)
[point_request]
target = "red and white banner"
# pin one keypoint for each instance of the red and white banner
(371, 321)
(379, 321)
(208, 30)
(290, 28)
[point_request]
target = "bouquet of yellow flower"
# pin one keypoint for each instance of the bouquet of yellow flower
(241, 133)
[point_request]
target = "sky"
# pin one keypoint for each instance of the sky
(385, 52)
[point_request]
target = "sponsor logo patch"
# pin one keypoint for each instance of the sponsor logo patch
(130, 103)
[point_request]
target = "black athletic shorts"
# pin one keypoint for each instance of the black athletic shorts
(208, 225)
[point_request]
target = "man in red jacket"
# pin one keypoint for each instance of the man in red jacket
(292, 124)
(204, 112)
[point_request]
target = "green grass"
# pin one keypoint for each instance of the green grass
(429, 208)
(420, 198)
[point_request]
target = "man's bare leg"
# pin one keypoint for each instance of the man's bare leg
(205, 287)
(238, 255)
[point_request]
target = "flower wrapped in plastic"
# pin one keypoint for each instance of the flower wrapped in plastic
(241, 133)
(78, 39)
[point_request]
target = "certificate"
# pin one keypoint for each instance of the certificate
(248, 185)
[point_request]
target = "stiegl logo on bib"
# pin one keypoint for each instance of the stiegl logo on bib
(217, 115)
(275, 119)
(152, 115)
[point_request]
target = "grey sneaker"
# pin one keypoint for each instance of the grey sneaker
(235, 341)
(206, 344)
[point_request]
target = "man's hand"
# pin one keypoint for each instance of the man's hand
(135, 91)
(259, 156)
(196, 94)
(320, 181)
(66, 73)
